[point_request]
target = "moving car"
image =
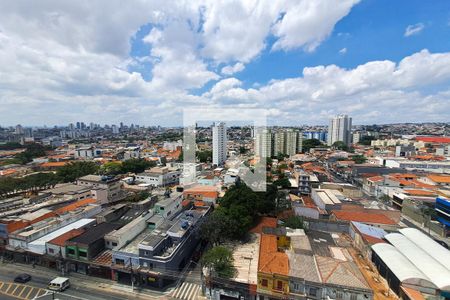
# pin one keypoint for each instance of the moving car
(59, 284)
(22, 278)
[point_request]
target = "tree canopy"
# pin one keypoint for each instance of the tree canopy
(238, 211)
(359, 159)
(136, 165)
(310, 143)
(294, 222)
(111, 168)
(219, 260)
(366, 140)
(33, 182)
(31, 151)
(73, 170)
(204, 156)
(340, 145)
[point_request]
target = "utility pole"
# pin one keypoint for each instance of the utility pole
(131, 274)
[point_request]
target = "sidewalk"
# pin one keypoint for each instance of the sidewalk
(94, 283)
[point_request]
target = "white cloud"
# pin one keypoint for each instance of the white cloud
(414, 29)
(307, 23)
(68, 61)
(230, 70)
(373, 92)
(343, 51)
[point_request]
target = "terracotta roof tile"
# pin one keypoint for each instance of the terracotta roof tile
(439, 178)
(75, 205)
(363, 217)
(270, 260)
(60, 240)
(264, 222)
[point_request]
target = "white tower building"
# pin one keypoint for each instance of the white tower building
(219, 143)
(340, 130)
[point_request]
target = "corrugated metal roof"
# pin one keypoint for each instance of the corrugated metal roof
(402, 268)
(435, 271)
(370, 230)
(427, 244)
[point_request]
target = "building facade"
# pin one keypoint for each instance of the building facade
(219, 143)
(340, 130)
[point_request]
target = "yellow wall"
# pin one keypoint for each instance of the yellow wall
(272, 283)
(283, 241)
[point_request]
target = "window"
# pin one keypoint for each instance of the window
(50, 250)
(339, 295)
(353, 297)
(82, 254)
(120, 261)
(264, 282)
(279, 285)
(313, 292)
(114, 244)
(71, 251)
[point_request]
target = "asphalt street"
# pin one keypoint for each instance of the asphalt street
(86, 289)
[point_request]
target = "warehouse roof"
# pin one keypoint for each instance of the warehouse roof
(402, 268)
(427, 244)
(435, 271)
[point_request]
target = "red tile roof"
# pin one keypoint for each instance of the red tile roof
(371, 239)
(433, 139)
(60, 240)
(415, 192)
(270, 260)
(54, 164)
(264, 222)
(363, 217)
(439, 178)
(75, 205)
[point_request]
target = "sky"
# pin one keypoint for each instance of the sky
(302, 61)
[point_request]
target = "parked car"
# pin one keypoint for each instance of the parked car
(59, 284)
(22, 278)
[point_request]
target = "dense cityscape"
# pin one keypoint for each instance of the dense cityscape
(225, 150)
(345, 206)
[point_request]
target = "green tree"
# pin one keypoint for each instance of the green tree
(219, 260)
(136, 165)
(181, 156)
(281, 156)
(204, 156)
(340, 145)
(282, 182)
(31, 151)
(267, 200)
(359, 159)
(111, 168)
(73, 170)
(366, 140)
(216, 228)
(242, 150)
(295, 222)
(30, 183)
(310, 143)
(10, 146)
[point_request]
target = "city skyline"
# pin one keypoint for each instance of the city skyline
(304, 62)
